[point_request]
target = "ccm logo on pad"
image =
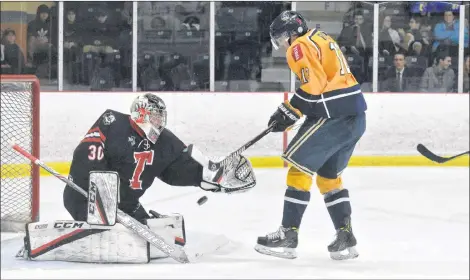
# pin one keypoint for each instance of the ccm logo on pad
(297, 52)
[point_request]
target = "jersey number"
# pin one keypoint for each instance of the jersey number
(344, 67)
(141, 159)
(96, 152)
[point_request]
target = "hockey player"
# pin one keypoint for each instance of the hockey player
(331, 100)
(139, 148)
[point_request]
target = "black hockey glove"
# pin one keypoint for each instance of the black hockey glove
(285, 116)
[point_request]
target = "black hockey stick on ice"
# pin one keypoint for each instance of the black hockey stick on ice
(170, 250)
(431, 156)
(213, 166)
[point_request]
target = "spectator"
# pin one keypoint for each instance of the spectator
(413, 40)
(355, 7)
(72, 47)
(416, 49)
(190, 15)
(126, 13)
(446, 34)
(12, 58)
(101, 34)
(356, 38)
(72, 37)
(389, 39)
(399, 78)
(466, 73)
(438, 78)
(40, 48)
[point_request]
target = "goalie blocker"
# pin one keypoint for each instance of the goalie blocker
(103, 198)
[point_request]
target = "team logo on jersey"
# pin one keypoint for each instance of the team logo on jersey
(108, 118)
(145, 144)
(297, 52)
(131, 139)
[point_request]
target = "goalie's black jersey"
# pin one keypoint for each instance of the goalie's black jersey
(116, 143)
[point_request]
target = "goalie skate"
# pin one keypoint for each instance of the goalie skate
(344, 245)
(281, 243)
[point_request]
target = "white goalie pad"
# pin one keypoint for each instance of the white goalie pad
(171, 229)
(103, 198)
(74, 241)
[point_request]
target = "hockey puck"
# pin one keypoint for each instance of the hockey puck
(202, 200)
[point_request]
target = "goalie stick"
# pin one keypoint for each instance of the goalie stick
(431, 156)
(213, 166)
(170, 250)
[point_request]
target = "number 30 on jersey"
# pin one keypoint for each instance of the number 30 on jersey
(95, 152)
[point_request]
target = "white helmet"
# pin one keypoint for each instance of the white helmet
(148, 111)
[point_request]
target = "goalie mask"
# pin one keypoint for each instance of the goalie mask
(148, 111)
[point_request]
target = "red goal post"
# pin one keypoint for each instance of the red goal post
(20, 99)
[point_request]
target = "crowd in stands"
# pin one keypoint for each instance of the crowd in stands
(40, 47)
(97, 45)
(418, 44)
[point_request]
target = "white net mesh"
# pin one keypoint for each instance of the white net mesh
(17, 105)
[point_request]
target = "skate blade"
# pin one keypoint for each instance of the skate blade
(286, 253)
(22, 254)
(348, 253)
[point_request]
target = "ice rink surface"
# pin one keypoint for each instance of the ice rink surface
(409, 222)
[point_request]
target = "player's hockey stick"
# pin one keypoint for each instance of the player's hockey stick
(431, 156)
(170, 250)
(213, 166)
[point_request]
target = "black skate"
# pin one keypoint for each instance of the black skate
(281, 243)
(344, 245)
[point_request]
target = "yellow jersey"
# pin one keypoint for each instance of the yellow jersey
(328, 88)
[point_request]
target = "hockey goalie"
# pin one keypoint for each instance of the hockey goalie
(115, 163)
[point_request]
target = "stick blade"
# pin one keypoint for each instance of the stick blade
(429, 155)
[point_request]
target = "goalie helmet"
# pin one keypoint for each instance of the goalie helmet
(285, 25)
(148, 111)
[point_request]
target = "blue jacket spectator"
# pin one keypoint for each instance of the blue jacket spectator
(447, 32)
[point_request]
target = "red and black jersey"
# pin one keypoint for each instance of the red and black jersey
(116, 143)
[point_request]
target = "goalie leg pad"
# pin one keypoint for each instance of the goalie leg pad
(76, 241)
(171, 228)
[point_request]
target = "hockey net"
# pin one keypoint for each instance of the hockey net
(19, 177)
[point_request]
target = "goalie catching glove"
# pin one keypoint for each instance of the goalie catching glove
(235, 177)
